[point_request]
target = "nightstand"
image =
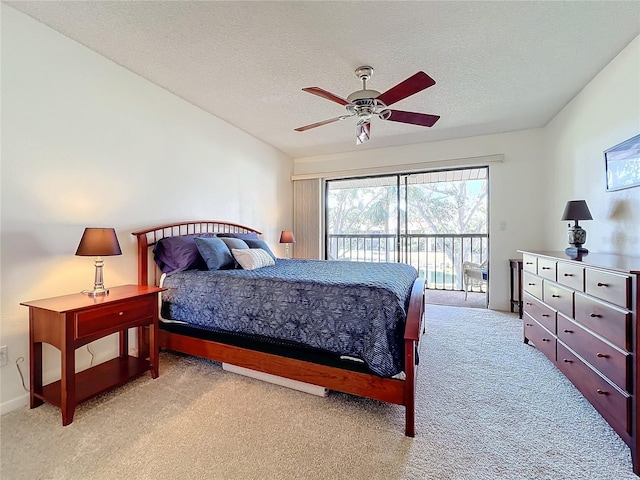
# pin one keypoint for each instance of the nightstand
(71, 321)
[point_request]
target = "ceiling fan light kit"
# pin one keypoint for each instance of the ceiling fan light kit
(366, 103)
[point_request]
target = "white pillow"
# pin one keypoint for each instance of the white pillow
(252, 258)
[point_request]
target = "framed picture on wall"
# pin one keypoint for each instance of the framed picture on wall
(622, 163)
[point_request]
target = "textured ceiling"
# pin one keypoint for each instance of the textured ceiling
(498, 66)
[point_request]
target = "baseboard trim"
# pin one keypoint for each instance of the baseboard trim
(14, 404)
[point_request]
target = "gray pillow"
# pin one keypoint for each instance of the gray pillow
(237, 244)
(260, 244)
(215, 252)
(234, 243)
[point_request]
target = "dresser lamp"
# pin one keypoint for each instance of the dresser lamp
(577, 236)
(98, 242)
(287, 238)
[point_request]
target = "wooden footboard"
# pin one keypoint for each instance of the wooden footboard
(400, 392)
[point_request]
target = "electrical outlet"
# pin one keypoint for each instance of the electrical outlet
(4, 355)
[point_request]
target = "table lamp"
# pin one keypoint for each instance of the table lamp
(98, 242)
(287, 238)
(577, 236)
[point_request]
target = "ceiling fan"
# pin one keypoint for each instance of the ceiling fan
(365, 103)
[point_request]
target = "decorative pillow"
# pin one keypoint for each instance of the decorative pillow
(252, 258)
(260, 244)
(215, 252)
(174, 254)
(241, 236)
(234, 243)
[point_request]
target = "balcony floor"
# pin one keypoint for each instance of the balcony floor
(455, 298)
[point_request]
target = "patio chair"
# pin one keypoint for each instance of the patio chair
(474, 275)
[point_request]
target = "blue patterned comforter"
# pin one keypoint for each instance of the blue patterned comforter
(347, 308)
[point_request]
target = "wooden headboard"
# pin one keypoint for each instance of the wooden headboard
(149, 237)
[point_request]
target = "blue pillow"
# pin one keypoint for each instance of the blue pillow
(241, 236)
(260, 244)
(175, 254)
(215, 253)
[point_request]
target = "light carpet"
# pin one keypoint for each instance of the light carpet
(488, 407)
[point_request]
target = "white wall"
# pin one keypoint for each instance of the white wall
(513, 186)
(604, 114)
(88, 143)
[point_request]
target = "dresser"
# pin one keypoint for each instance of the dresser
(583, 315)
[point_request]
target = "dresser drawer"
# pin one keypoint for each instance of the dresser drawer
(529, 263)
(608, 286)
(540, 336)
(611, 322)
(114, 317)
(547, 268)
(571, 275)
(613, 404)
(558, 297)
(608, 360)
(532, 284)
(540, 312)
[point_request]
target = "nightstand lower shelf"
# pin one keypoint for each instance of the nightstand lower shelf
(96, 380)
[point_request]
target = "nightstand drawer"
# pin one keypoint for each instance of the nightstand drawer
(608, 286)
(540, 312)
(571, 275)
(611, 322)
(114, 317)
(613, 404)
(608, 360)
(558, 297)
(540, 336)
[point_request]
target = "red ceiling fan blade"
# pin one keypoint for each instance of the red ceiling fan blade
(421, 119)
(411, 85)
(324, 94)
(319, 124)
(363, 132)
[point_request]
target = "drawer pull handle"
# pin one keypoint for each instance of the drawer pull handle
(595, 315)
(529, 263)
(529, 303)
(567, 331)
(531, 284)
(566, 360)
(603, 284)
(602, 355)
(601, 392)
(546, 340)
(546, 268)
(545, 314)
(568, 274)
(555, 296)
(529, 324)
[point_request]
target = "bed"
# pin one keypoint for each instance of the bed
(383, 367)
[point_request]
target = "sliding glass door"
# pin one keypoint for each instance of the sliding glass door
(433, 221)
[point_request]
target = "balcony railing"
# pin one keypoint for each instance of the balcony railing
(438, 258)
